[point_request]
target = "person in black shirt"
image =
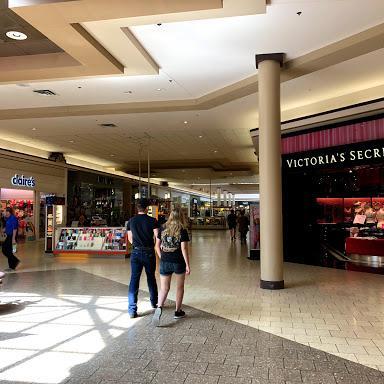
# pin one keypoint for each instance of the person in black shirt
(232, 222)
(172, 248)
(243, 226)
(142, 231)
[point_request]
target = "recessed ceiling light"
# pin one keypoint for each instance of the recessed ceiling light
(33, 129)
(71, 141)
(159, 89)
(201, 136)
(112, 155)
(185, 122)
(15, 35)
(215, 151)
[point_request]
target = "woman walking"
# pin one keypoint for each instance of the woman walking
(172, 248)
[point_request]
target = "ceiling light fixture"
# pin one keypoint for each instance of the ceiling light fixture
(200, 137)
(215, 151)
(33, 129)
(71, 141)
(159, 89)
(112, 155)
(15, 35)
(185, 122)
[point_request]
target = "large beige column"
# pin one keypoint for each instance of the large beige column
(271, 221)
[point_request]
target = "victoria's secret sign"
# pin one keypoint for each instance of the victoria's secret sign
(361, 153)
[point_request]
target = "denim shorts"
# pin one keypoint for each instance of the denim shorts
(168, 268)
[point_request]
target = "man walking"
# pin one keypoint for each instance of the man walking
(142, 230)
(232, 222)
(11, 225)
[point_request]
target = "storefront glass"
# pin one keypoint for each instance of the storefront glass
(94, 200)
(333, 199)
(22, 202)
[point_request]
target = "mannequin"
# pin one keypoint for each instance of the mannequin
(380, 217)
(358, 209)
(371, 214)
(347, 214)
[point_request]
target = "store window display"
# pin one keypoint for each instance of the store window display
(334, 211)
(380, 217)
(21, 203)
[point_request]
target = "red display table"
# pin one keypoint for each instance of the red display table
(364, 246)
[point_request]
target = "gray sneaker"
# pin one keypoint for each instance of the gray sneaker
(157, 316)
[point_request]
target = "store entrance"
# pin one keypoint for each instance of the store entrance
(22, 202)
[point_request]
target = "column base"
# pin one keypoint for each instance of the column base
(271, 284)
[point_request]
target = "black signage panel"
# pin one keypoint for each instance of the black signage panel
(55, 200)
(371, 152)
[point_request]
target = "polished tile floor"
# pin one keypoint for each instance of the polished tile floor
(335, 311)
(71, 327)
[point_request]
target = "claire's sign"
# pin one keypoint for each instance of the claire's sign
(355, 154)
(23, 181)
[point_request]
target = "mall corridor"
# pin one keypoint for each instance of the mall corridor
(71, 315)
(130, 128)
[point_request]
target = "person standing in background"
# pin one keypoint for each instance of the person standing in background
(232, 222)
(10, 230)
(142, 232)
(243, 226)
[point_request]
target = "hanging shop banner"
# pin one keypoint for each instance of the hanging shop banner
(351, 155)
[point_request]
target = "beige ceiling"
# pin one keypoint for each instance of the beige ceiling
(84, 55)
(196, 67)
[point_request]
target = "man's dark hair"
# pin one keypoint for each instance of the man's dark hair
(9, 209)
(232, 211)
(142, 205)
(242, 212)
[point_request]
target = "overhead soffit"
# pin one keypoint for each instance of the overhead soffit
(209, 168)
(333, 54)
(83, 54)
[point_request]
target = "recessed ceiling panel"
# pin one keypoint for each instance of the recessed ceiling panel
(35, 44)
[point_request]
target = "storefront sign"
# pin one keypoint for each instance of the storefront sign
(23, 181)
(352, 155)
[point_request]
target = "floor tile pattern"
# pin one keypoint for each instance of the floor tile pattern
(71, 327)
(336, 311)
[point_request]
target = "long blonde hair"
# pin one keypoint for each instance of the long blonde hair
(175, 223)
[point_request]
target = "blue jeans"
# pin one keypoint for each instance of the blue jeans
(142, 259)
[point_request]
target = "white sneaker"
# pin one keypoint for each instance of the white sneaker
(2, 274)
(157, 316)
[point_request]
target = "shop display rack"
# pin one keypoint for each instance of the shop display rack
(99, 241)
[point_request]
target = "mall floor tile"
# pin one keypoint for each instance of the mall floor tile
(67, 326)
(335, 311)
